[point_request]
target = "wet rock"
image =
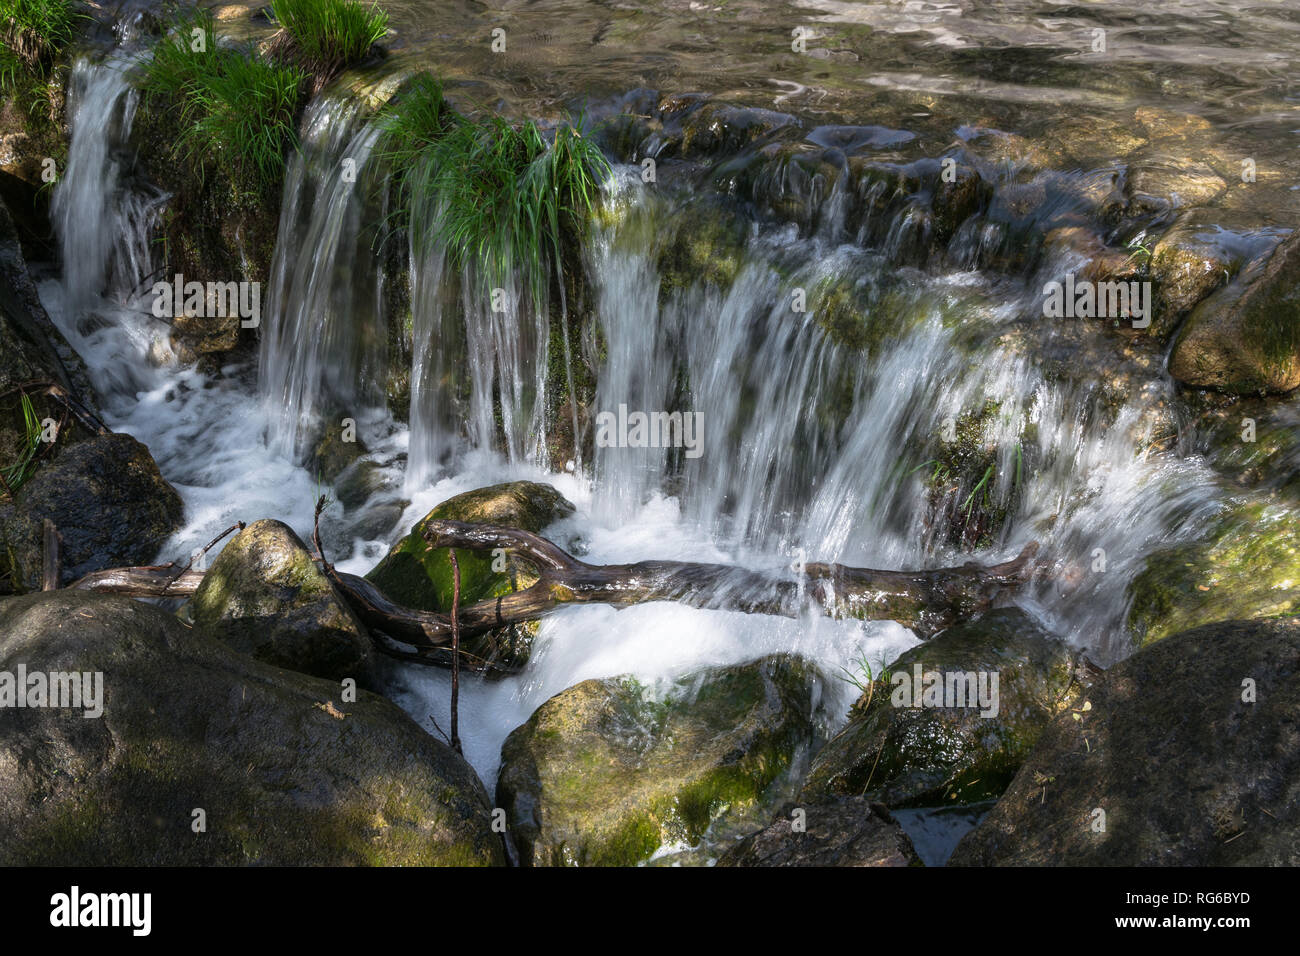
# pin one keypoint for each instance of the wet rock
(719, 129)
(849, 831)
(1246, 337)
(415, 574)
(284, 770)
(1185, 771)
(1187, 264)
(193, 336)
(1171, 125)
(704, 243)
(336, 449)
(265, 596)
(359, 482)
(1158, 182)
(605, 773)
(903, 755)
(1248, 566)
(107, 499)
(852, 140)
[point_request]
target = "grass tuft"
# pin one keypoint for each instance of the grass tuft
(509, 198)
(235, 110)
(31, 33)
(325, 37)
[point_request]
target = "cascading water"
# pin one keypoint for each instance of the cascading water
(324, 346)
(809, 445)
(102, 222)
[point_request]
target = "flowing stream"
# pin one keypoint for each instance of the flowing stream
(803, 439)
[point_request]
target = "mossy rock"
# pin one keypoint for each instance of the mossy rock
(265, 596)
(286, 771)
(416, 574)
(333, 454)
(1248, 566)
(606, 773)
(1190, 749)
(706, 244)
(1245, 339)
(1187, 264)
(909, 756)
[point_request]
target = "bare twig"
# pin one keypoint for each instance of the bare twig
(238, 525)
(455, 649)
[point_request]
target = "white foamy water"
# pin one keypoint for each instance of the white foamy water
(782, 471)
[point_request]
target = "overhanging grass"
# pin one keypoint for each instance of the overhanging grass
(325, 37)
(509, 198)
(31, 33)
(235, 110)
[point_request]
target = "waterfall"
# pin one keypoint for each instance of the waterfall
(813, 446)
(478, 373)
(103, 223)
(323, 350)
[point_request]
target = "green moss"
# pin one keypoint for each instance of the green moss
(1247, 567)
(611, 771)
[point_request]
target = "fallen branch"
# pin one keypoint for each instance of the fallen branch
(925, 601)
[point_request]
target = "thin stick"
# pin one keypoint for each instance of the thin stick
(455, 649)
(206, 548)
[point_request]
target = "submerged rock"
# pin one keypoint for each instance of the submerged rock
(907, 756)
(282, 770)
(1248, 566)
(849, 831)
(604, 773)
(107, 499)
(1246, 340)
(265, 596)
(1188, 756)
(1158, 182)
(417, 575)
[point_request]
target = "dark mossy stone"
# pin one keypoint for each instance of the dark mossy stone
(265, 596)
(1189, 755)
(1246, 566)
(607, 772)
(908, 756)
(417, 575)
(841, 831)
(284, 769)
(106, 498)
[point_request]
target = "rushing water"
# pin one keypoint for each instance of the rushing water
(804, 443)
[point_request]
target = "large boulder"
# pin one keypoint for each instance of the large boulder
(107, 499)
(606, 773)
(1247, 566)
(848, 831)
(1188, 756)
(284, 771)
(265, 596)
(416, 574)
(905, 751)
(1245, 338)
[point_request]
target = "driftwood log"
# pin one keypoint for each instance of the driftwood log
(925, 601)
